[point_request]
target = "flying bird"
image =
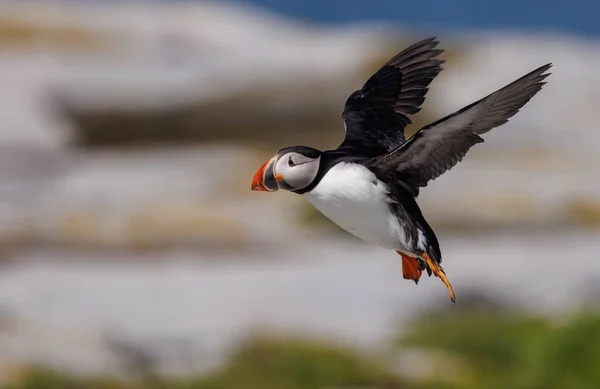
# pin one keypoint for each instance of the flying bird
(368, 185)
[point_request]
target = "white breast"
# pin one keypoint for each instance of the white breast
(353, 198)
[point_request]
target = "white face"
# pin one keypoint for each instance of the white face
(297, 171)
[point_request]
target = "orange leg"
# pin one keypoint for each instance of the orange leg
(411, 269)
(439, 272)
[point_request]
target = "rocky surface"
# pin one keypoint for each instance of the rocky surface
(162, 255)
(137, 200)
(534, 171)
(200, 197)
(183, 310)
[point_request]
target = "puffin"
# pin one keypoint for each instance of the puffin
(369, 184)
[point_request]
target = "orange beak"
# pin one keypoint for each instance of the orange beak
(264, 179)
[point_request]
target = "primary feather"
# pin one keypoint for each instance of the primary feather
(438, 147)
(375, 115)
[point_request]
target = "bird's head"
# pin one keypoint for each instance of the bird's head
(293, 168)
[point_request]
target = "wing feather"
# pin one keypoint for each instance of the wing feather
(375, 115)
(438, 147)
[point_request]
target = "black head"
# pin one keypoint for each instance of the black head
(292, 168)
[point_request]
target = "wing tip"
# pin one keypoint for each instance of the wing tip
(541, 71)
(427, 45)
(431, 39)
(540, 74)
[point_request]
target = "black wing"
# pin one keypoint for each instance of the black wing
(439, 146)
(375, 116)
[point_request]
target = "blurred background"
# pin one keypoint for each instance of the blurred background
(133, 253)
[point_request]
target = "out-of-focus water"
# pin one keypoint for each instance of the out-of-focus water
(575, 16)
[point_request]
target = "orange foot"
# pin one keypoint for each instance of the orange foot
(411, 268)
(439, 272)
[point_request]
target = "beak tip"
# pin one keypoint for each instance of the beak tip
(258, 187)
(258, 182)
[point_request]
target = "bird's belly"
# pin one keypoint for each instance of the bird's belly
(356, 201)
(368, 224)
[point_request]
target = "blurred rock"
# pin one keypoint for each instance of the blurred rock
(187, 308)
(200, 197)
(90, 229)
(161, 198)
(496, 187)
(226, 76)
(208, 71)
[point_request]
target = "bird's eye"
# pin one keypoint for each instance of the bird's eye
(291, 163)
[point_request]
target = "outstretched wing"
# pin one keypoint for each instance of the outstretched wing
(375, 116)
(439, 146)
